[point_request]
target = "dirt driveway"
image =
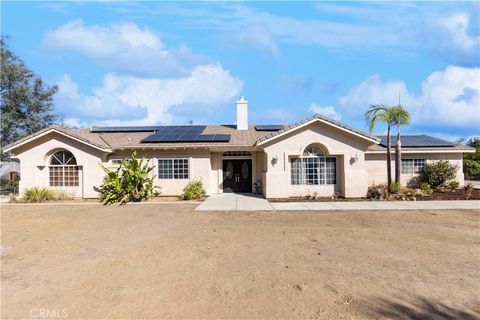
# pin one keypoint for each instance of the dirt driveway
(167, 261)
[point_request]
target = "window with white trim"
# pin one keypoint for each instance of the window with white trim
(173, 168)
(412, 166)
(63, 170)
(313, 168)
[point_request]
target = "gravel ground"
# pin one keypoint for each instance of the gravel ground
(167, 261)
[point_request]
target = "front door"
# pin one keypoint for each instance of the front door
(237, 175)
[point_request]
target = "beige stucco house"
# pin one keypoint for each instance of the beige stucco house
(317, 155)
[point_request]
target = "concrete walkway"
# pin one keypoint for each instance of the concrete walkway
(251, 202)
(235, 202)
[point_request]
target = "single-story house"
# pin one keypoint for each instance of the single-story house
(317, 155)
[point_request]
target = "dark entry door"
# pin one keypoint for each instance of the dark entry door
(237, 175)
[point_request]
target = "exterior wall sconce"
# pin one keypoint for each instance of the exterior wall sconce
(354, 159)
(274, 160)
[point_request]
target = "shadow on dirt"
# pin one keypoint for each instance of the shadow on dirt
(419, 309)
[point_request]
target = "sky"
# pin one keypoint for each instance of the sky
(145, 63)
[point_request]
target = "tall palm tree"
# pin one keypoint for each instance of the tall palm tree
(380, 112)
(401, 117)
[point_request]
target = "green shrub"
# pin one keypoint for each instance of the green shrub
(425, 188)
(395, 187)
(37, 194)
(129, 182)
(194, 190)
(471, 168)
(436, 174)
(453, 185)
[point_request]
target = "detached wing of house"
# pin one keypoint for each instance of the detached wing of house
(317, 155)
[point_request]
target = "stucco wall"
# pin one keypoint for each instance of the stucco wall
(377, 166)
(352, 179)
(200, 167)
(35, 156)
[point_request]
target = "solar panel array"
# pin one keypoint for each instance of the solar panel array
(268, 127)
(184, 134)
(417, 141)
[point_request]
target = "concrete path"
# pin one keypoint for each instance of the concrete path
(251, 202)
(377, 205)
(235, 202)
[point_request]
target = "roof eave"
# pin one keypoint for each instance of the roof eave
(12, 146)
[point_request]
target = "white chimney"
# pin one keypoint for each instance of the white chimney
(242, 114)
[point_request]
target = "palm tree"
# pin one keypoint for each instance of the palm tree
(380, 112)
(401, 117)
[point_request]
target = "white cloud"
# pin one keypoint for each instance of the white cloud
(448, 98)
(131, 100)
(123, 47)
(394, 28)
(449, 35)
(328, 111)
(257, 37)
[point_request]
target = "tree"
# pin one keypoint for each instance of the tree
(26, 102)
(383, 113)
(401, 117)
(471, 161)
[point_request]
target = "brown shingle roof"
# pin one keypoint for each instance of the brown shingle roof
(238, 138)
(82, 135)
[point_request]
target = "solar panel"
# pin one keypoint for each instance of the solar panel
(185, 134)
(417, 141)
(268, 127)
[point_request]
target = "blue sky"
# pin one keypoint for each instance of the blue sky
(135, 63)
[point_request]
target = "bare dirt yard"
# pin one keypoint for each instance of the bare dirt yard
(168, 261)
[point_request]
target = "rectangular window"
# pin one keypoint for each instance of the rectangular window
(173, 168)
(412, 166)
(313, 171)
(63, 176)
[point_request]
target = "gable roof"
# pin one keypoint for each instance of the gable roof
(318, 118)
(89, 139)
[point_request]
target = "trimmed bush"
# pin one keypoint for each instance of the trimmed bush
(127, 183)
(436, 174)
(37, 194)
(194, 190)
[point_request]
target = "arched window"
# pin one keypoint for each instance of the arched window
(313, 151)
(63, 169)
(313, 168)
